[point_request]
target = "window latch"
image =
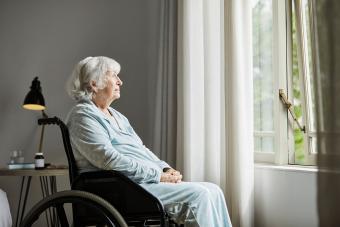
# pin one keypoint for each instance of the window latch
(289, 106)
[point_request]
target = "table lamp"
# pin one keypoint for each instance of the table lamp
(34, 100)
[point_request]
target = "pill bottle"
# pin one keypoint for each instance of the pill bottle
(39, 161)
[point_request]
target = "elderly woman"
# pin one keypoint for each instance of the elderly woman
(102, 138)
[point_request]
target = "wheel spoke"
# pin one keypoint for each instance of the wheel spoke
(62, 215)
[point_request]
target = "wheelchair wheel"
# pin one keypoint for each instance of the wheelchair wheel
(57, 200)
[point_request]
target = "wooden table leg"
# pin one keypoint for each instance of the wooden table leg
(21, 207)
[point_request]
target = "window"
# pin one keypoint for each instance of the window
(282, 59)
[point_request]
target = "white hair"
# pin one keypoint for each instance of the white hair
(87, 70)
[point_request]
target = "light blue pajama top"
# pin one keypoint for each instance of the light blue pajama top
(101, 142)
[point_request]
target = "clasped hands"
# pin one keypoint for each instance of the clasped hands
(171, 176)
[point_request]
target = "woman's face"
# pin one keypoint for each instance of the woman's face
(111, 91)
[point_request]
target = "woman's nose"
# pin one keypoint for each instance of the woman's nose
(119, 82)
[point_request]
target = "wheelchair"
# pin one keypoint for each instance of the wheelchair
(137, 206)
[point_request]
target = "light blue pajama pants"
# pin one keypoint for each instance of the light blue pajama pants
(192, 203)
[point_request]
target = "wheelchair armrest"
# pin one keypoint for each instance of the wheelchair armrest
(126, 195)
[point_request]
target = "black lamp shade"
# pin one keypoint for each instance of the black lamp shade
(34, 100)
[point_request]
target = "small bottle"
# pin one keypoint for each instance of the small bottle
(39, 161)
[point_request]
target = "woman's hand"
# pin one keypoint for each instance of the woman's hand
(173, 172)
(171, 178)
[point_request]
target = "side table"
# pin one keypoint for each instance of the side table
(48, 184)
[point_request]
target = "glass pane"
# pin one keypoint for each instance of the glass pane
(297, 96)
(262, 67)
(299, 146)
(264, 144)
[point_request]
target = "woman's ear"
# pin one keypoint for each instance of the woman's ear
(93, 86)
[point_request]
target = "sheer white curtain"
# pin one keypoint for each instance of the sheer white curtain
(215, 109)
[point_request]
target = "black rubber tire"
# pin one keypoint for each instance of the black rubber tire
(111, 215)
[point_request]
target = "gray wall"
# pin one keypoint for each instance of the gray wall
(285, 198)
(46, 38)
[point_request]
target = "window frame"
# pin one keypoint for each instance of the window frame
(309, 158)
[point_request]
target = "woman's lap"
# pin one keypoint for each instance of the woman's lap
(187, 200)
(181, 192)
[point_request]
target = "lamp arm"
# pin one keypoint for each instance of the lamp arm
(42, 132)
(41, 138)
(44, 114)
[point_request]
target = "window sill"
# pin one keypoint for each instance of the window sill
(291, 168)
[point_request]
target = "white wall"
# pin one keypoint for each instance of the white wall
(46, 38)
(285, 198)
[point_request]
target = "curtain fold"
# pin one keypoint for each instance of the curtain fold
(327, 47)
(201, 93)
(165, 115)
(215, 103)
(239, 111)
